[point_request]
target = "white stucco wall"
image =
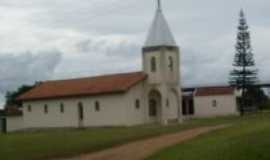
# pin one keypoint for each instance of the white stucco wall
(173, 107)
(164, 79)
(112, 111)
(226, 105)
(14, 123)
(163, 72)
(136, 116)
(36, 118)
(115, 110)
(153, 77)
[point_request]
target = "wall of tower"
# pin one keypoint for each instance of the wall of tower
(165, 79)
(167, 65)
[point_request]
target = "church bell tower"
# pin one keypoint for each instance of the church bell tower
(161, 62)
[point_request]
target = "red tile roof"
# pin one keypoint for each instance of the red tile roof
(106, 84)
(214, 91)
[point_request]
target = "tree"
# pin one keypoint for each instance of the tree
(257, 97)
(244, 74)
(11, 96)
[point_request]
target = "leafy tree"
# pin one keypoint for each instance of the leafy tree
(244, 74)
(11, 96)
(257, 97)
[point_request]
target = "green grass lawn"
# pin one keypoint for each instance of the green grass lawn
(247, 139)
(62, 143)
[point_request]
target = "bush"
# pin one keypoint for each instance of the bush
(265, 106)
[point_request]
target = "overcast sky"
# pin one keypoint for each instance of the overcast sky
(56, 39)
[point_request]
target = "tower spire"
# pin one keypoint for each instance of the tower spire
(159, 33)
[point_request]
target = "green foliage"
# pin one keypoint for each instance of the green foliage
(243, 73)
(256, 99)
(256, 96)
(11, 96)
(247, 139)
(265, 105)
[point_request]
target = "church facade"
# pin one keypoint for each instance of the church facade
(152, 95)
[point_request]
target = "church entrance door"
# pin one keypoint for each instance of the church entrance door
(154, 104)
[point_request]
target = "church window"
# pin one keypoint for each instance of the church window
(62, 108)
(171, 63)
(214, 103)
(137, 104)
(45, 108)
(153, 64)
(29, 108)
(80, 107)
(97, 106)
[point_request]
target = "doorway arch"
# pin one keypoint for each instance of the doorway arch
(154, 106)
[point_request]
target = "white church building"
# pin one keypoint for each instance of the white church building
(152, 95)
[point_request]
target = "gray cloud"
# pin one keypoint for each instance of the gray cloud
(26, 68)
(122, 47)
(105, 36)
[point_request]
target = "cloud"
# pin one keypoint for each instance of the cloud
(111, 45)
(66, 38)
(101, 55)
(26, 68)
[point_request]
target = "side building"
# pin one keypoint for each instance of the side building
(210, 102)
(11, 119)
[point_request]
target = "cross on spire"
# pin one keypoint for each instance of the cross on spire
(159, 5)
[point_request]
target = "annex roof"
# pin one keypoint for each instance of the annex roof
(214, 91)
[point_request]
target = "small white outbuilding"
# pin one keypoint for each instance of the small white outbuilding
(11, 119)
(215, 101)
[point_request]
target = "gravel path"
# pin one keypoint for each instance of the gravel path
(141, 149)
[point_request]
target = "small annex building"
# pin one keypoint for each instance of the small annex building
(11, 119)
(210, 102)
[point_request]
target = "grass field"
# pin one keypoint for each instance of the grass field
(62, 143)
(248, 139)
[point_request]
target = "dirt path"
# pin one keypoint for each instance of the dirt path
(141, 149)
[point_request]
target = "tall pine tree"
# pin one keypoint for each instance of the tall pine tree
(244, 74)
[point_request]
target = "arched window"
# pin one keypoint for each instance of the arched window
(97, 106)
(62, 108)
(137, 104)
(29, 108)
(153, 64)
(80, 108)
(171, 63)
(214, 103)
(46, 109)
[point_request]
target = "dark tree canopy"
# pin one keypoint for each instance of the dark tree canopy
(244, 74)
(11, 96)
(257, 96)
